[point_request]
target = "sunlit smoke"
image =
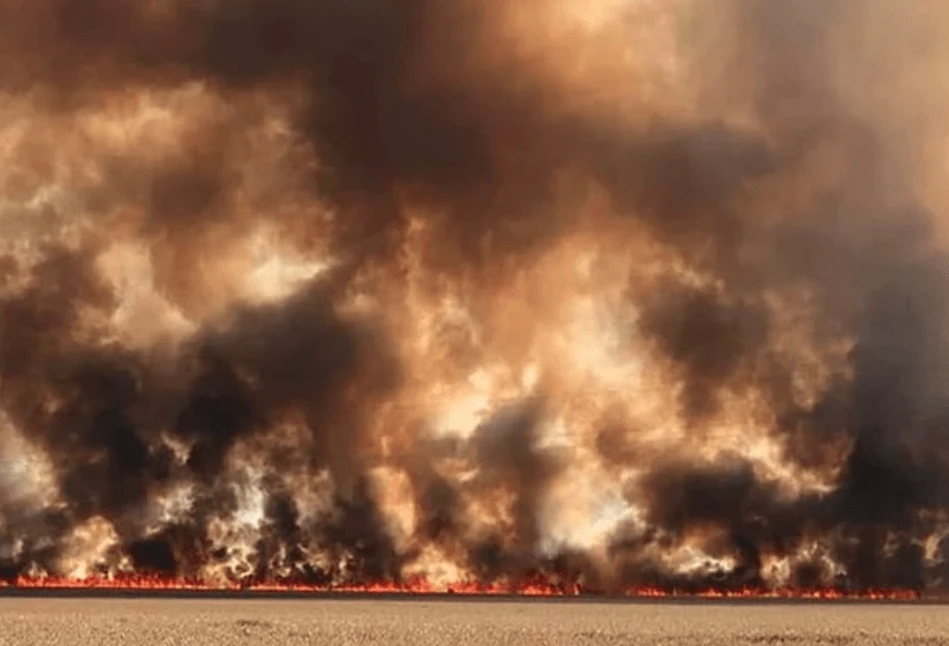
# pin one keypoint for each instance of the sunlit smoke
(624, 295)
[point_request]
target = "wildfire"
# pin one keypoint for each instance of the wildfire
(474, 298)
(420, 586)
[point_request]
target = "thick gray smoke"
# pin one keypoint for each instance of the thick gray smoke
(688, 261)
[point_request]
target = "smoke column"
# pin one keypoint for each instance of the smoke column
(624, 292)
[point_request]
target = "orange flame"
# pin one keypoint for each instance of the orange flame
(146, 583)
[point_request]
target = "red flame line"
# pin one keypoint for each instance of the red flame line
(143, 583)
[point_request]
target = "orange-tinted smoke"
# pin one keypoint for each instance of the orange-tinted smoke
(642, 294)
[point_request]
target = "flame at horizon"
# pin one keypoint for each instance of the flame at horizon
(377, 293)
(530, 587)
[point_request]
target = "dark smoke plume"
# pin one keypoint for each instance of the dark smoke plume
(326, 291)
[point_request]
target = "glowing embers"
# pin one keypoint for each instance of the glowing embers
(532, 587)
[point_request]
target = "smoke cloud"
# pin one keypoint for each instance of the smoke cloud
(643, 293)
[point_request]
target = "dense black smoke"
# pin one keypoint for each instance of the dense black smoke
(405, 117)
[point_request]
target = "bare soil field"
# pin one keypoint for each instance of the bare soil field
(420, 622)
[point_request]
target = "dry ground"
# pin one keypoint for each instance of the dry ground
(221, 622)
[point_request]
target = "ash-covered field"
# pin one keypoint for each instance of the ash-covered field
(82, 621)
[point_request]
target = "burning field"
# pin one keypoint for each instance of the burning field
(621, 297)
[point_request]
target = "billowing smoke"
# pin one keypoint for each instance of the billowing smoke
(625, 292)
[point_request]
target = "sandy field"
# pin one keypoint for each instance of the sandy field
(221, 622)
